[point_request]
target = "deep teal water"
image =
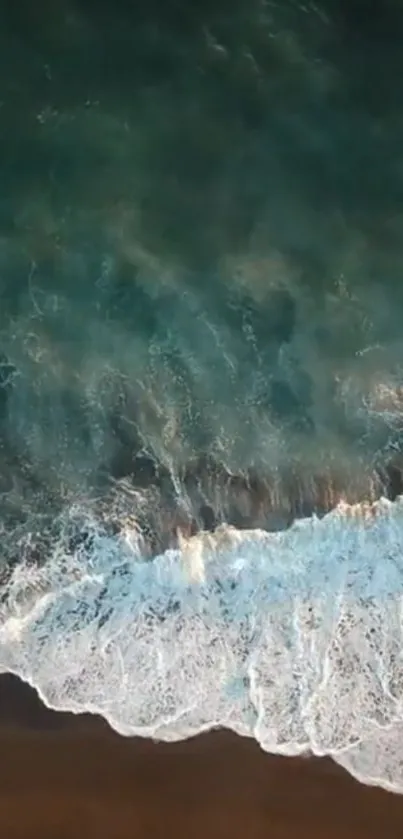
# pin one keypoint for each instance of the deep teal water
(201, 241)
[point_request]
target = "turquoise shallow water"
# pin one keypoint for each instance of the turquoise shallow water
(200, 325)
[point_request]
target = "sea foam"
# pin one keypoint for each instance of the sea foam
(293, 638)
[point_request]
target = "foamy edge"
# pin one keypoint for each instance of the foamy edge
(291, 637)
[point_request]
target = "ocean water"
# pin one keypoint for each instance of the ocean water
(293, 637)
(201, 369)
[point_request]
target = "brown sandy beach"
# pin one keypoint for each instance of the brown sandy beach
(66, 777)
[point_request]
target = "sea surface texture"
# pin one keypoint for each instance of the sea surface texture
(201, 368)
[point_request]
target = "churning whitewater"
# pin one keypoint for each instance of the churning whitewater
(293, 637)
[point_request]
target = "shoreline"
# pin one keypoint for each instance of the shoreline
(64, 776)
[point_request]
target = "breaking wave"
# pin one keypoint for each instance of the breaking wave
(292, 637)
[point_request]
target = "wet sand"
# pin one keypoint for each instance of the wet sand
(66, 777)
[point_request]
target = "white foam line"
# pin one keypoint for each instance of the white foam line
(293, 637)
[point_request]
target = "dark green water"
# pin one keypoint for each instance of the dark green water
(201, 241)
